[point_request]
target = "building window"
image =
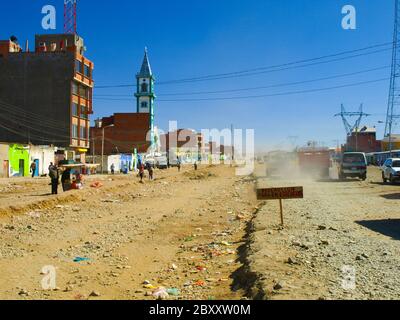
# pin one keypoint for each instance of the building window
(87, 72)
(144, 105)
(74, 88)
(83, 133)
(74, 131)
(78, 66)
(144, 87)
(83, 112)
(75, 110)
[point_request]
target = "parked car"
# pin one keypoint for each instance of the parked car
(353, 164)
(161, 162)
(391, 170)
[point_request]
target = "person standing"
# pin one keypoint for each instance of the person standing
(33, 168)
(113, 169)
(66, 180)
(141, 172)
(151, 172)
(195, 166)
(55, 177)
(179, 165)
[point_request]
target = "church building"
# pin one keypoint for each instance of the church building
(130, 132)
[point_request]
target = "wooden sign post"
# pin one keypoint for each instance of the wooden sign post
(280, 194)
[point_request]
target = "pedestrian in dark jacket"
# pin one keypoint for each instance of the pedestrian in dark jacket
(55, 177)
(33, 169)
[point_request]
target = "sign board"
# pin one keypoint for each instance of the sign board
(280, 193)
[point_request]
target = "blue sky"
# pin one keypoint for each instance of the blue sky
(188, 38)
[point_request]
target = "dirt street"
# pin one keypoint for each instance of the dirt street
(124, 240)
(200, 235)
(340, 242)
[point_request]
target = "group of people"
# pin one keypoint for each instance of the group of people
(143, 168)
(67, 183)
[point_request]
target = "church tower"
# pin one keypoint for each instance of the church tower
(145, 92)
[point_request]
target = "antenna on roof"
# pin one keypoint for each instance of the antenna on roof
(70, 16)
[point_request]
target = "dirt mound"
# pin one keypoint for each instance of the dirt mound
(199, 175)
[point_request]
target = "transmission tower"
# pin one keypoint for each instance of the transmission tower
(344, 114)
(70, 16)
(394, 91)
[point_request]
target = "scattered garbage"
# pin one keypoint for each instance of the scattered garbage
(96, 184)
(160, 293)
(34, 214)
(173, 292)
(80, 259)
(94, 294)
(200, 283)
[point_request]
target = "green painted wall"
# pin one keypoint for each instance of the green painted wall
(16, 153)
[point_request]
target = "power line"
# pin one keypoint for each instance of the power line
(264, 95)
(267, 69)
(261, 87)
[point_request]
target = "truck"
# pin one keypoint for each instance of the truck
(314, 161)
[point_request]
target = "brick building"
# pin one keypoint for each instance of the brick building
(363, 140)
(46, 95)
(123, 133)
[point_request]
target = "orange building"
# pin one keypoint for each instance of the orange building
(47, 93)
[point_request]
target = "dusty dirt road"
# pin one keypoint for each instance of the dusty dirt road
(181, 231)
(204, 234)
(340, 242)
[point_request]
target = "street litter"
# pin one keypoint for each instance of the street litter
(199, 283)
(34, 214)
(173, 292)
(160, 293)
(96, 184)
(80, 259)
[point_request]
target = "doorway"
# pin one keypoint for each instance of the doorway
(37, 168)
(21, 167)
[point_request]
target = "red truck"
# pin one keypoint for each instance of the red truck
(314, 161)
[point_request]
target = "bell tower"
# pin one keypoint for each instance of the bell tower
(145, 92)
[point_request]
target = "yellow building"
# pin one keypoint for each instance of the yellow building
(395, 142)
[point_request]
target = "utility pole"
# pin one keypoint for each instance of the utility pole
(102, 147)
(394, 90)
(233, 144)
(351, 129)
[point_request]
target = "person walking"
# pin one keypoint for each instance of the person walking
(141, 173)
(112, 169)
(33, 168)
(55, 177)
(66, 180)
(195, 166)
(179, 165)
(151, 172)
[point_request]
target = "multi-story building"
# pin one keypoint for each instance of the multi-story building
(46, 94)
(363, 140)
